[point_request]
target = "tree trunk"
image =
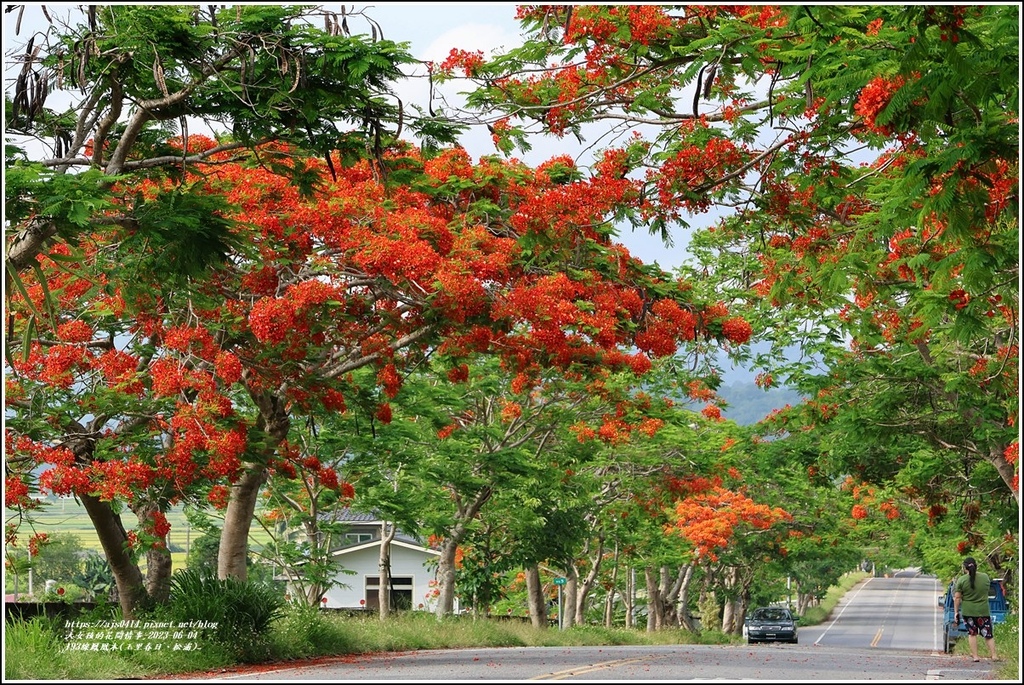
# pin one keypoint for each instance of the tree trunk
(158, 575)
(804, 601)
(737, 583)
(586, 585)
(464, 514)
(312, 586)
(26, 245)
(655, 602)
(609, 600)
(569, 593)
(535, 598)
(708, 604)
(446, 578)
(158, 560)
(1006, 470)
(384, 569)
(233, 557)
(729, 622)
(131, 589)
(670, 594)
(630, 595)
(683, 601)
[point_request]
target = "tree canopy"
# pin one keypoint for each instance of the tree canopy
(187, 313)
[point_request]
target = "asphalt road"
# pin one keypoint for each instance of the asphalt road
(901, 612)
(884, 629)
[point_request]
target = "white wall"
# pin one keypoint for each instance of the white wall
(363, 562)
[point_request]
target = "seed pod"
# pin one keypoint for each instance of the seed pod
(158, 76)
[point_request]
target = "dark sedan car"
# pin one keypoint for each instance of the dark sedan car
(771, 624)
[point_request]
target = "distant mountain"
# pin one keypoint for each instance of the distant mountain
(748, 404)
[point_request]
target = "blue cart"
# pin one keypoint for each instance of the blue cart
(951, 630)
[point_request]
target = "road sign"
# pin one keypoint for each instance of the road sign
(559, 581)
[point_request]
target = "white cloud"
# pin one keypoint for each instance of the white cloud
(488, 38)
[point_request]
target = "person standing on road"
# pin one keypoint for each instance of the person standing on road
(970, 594)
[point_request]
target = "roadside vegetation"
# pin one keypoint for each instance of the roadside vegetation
(38, 649)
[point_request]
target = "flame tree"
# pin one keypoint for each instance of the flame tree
(864, 161)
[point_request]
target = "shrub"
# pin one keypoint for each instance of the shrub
(241, 612)
(307, 631)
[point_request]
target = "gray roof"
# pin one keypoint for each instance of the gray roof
(350, 516)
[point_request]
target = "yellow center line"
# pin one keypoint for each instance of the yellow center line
(878, 636)
(580, 670)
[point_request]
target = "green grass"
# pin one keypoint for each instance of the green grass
(35, 650)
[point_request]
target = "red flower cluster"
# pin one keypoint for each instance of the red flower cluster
(64, 481)
(874, 98)
(190, 339)
(36, 542)
(119, 370)
(694, 167)
(647, 23)
(218, 497)
(510, 411)
(328, 478)
(61, 363)
(166, 377)
(226, 449)
(709, 520)
(228, 367)
(712, 412)
(890, 510)
(935, 512)
(458, 374)
(333, 400)
(1012, 452)
(74, 332)
(271, 319)
(16, 494)
(389, 380)
(158, 524)
(737, 330)
(959, 298)
(469, 62)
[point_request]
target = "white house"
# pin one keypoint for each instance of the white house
(413, 566)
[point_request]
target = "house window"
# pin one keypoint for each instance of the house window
(357, 538)
(401, 592)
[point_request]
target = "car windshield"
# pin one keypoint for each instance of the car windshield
(771, 615)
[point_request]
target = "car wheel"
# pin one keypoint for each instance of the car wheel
(751, 641)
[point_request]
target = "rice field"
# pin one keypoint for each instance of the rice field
(65, 515)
